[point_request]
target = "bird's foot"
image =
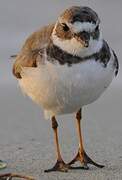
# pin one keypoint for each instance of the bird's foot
(85, 160)
(10, 176)
(59, 166)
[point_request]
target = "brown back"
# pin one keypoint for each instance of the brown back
(26, 57)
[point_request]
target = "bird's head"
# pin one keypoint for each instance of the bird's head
(77, 31)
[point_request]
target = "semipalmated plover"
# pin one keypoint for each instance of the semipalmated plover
(65, 66)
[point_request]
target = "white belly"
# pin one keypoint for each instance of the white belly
(60, 89)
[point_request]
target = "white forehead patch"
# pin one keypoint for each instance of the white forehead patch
(82, 26)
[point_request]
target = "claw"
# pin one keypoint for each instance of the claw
(84, 167)
(85, 160)
(90, 161)
(59, 166)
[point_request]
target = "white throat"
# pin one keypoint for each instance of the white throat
(74, 47)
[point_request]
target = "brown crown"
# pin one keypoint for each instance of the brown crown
(81, 14)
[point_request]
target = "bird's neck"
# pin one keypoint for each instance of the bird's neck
(75, 48)
(56, 54)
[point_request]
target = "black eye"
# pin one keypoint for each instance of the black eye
(97, 28)
(65, 27)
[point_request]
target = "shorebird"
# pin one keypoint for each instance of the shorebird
(65, 66)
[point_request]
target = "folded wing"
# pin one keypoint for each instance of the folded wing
(29, 52)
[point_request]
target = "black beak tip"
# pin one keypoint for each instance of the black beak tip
(86, 44)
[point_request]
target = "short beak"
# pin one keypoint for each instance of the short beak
(83, 38)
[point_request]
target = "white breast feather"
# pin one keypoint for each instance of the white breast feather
(60, 89)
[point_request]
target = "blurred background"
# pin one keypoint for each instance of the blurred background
(21, 120)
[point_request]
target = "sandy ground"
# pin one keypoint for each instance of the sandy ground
(26, 139)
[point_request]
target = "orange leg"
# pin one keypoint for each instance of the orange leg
(60, 164)
(81, 155)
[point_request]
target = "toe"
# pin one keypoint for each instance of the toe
(59, 166)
